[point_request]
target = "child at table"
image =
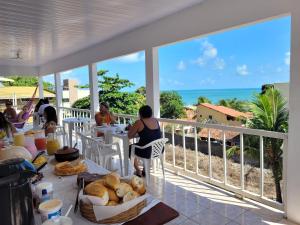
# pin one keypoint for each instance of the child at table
(51, 120)
(7, 129)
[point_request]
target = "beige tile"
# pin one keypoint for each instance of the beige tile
(178, 221)
(286, 222)
(250, 218)
(228, 210)
(209, 217)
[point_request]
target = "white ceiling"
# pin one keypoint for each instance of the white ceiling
(44, 30)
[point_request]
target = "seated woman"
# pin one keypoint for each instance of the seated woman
(6, 128)
(23, 115)
(50, 120)
(104, 117)
(147, 127)
(10, 113)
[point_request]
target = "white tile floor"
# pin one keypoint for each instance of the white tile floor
(201, 204)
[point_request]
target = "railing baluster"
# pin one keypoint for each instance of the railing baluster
(184, 148)
(261, 148)
(224, 158)
(209, 155)
(196, 149)
(284, 172)
(242, 174)
(173, 144)
(164, 136)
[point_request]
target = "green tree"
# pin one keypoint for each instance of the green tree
(203, 99)
(28, 81)
(269, 113)
(141, 90)
(110, 90)
(242, 106)
(171, 105)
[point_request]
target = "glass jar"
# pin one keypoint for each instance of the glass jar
(52, 144)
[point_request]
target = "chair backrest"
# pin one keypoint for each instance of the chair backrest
(157, 147)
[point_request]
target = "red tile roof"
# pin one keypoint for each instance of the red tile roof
(226, 110)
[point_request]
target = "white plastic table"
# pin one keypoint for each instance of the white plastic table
(71, 122)
(117, 131)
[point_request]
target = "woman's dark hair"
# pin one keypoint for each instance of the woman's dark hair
(105, 104)
(50, 114)
(145, 111)
(5, 124)
(37, 106)
(46, 100)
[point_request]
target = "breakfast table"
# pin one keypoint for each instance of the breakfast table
(117, 131)
(65, 189)
(70, 122)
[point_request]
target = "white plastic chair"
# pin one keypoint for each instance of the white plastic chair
(157, 147)
(99, 152)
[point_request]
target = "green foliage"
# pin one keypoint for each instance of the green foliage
(171, 105)
(110, 90)
(28, 81)
(202, 99)
(141, 90)
(242, 106)
(269, 113)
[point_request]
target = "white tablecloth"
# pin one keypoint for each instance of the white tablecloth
(65, 188)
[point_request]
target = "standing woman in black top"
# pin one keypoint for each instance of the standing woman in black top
(148, 130)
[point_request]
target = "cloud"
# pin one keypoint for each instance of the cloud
(174, 82)
(181, 65)
(207, 81)
(67, 72)
(279, 69)
(287, 59)
(220, 63)
(242, 70)
(209, 54)
(209, 50)
(132, 58)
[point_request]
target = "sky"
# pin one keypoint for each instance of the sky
(245, 57)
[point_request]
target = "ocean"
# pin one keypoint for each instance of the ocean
(190, 96)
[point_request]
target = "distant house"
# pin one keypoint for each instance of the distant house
(232, 138)
(207, 112)
(190, 112)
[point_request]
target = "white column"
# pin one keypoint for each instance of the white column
(41, 88)
(59, 95)
(293, 158)
(94, 95)
(152, 80)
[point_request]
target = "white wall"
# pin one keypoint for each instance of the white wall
(293, 155)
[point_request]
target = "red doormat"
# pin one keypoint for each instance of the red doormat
(158, 215)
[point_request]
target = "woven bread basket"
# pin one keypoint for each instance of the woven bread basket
(87, 212)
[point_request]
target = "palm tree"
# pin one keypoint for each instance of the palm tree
(270, 113)
(202, 99)
(234, 103)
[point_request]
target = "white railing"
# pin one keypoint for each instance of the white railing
(72, 112)
(182, 124)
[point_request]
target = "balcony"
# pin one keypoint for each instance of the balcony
(49, 37)
(209, 177)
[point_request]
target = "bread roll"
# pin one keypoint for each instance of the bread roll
(122, 189)
(99, 190)
(138, 185)
(112, 203)
(130, 195)
(112, 180)
(112, 195)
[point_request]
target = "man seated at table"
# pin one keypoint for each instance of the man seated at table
(104, 117)
(148, 129)
(10, 113)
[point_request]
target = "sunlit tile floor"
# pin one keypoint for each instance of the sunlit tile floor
(201, 204)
